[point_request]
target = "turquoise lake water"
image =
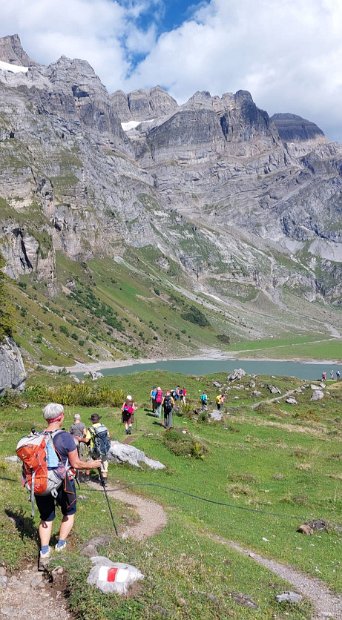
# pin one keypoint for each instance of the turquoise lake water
(205, 367)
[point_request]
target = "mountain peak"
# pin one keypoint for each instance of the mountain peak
(292, 127)
(12, 52)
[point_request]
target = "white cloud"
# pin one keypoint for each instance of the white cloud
(288, 53)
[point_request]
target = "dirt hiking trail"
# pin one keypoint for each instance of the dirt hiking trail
(30, 595)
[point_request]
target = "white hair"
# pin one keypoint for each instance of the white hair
(77, 416)
(52, 410)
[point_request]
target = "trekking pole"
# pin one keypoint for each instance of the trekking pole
(108, 502)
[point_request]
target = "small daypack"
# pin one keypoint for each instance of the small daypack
(100, 439)
(42, 470)
(167, 404)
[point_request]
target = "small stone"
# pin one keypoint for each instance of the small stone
(36, 580)
(305, 529)
(181, 602)
(2, 571)
(3, 581)
(289, 597)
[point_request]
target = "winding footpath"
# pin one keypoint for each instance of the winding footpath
(29, 595)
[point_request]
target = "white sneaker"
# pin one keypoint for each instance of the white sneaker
(60, 548)
(44, 559)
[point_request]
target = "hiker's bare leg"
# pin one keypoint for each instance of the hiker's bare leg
(66, 526)
(44, 530)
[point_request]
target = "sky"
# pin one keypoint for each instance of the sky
(287, 53)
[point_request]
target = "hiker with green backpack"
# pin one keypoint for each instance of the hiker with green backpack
(98, 439)
(50, 459)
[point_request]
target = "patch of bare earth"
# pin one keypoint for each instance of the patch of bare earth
(29, 595)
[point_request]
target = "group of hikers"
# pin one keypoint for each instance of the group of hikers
(69, 456)
(332, 375)
(166, 402)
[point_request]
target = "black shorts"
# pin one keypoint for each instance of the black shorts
(66, 499)
(127, 417)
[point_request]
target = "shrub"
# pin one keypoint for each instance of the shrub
(195, 315)
(223, 338)
(183, 444)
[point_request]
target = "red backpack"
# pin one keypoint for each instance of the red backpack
(42, 471)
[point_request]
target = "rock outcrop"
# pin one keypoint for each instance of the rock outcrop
(11, 51)
(12, 370)
(292, 127)
(143, 105)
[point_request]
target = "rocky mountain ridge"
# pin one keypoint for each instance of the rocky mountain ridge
(242, 205)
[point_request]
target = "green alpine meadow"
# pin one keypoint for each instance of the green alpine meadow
(254, 477)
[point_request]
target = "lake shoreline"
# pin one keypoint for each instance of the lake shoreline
(209, 355)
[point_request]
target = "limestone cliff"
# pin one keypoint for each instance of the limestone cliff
(12, 370)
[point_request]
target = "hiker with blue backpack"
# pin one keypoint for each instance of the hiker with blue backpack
(49, 461)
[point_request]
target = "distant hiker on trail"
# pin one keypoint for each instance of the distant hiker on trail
(128, 408)
(182, 395)
(98, 439)
(338, 374)
(168, 404)
(159, 400)
(331, 374)
(219, 401)
(204, 401)
(153, 398)
(65, 453)
(324, 376)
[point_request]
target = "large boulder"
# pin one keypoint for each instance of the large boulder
(238, 373)
(12, 370)
(124, 453)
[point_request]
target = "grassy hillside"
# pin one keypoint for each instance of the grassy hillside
(265, 470)
(134, 307)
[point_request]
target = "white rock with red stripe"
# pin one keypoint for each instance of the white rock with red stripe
(111, 576)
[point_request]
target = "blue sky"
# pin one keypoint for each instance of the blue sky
(171, 14)
(288, 53)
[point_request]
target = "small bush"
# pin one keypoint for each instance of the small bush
(223, 338)
(183, 444)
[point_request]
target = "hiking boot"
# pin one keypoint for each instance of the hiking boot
(59, 548)
(43, 560)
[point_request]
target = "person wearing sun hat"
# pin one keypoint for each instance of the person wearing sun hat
(97, 438)
(128, 408)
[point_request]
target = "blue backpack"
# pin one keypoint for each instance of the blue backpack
(100, 439)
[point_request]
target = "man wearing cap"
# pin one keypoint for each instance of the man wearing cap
(65, 447)
(94, 430)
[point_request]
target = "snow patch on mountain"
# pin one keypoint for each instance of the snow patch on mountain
(6, 66)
